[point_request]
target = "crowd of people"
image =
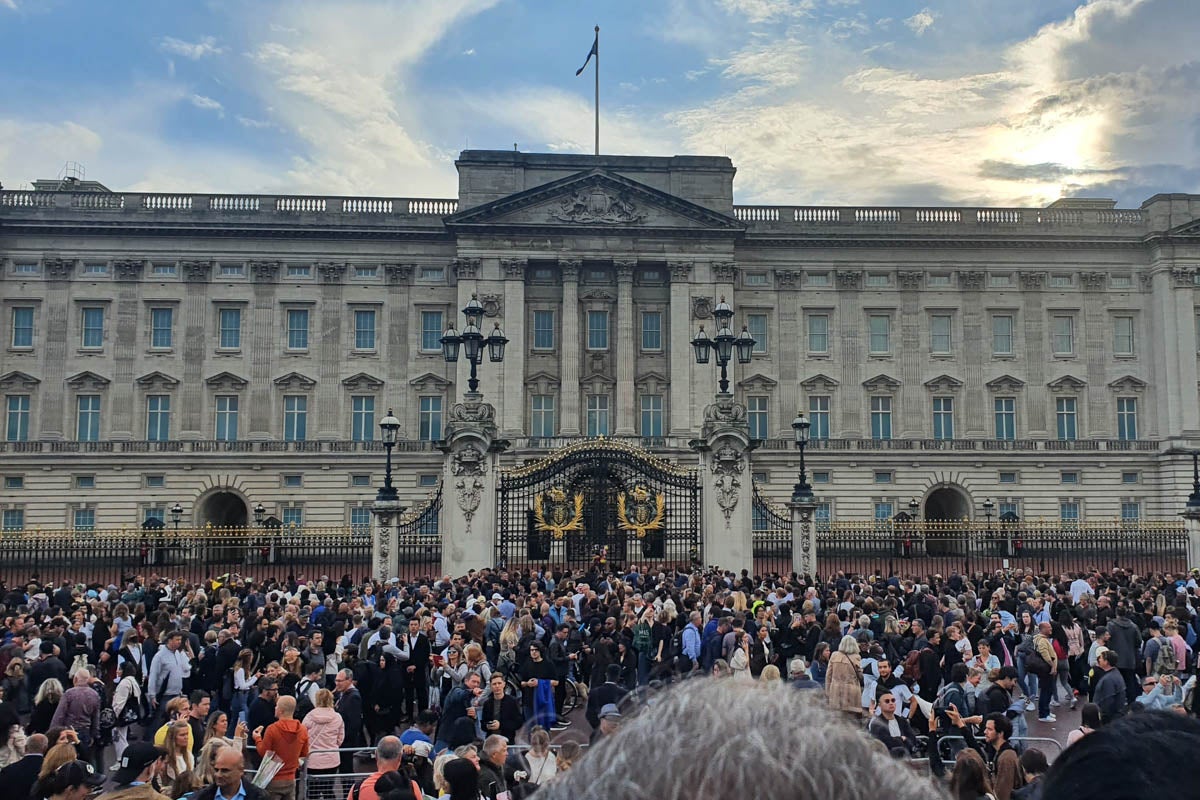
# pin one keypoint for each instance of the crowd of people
(186, 687)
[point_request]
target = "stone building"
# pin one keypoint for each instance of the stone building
(222, 351)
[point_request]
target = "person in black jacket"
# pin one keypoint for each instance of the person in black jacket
(46, 667)
(609, 692)
(416, 683)
(228, 771)
(499, 712)
(19, 777)
(348, 703)
(262, 711)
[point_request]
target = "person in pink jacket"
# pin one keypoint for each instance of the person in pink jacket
(326, 731)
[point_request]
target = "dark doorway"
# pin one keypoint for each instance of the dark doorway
(947, 505)
(223, 510)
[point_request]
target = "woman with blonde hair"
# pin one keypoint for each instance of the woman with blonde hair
(208, 757)
(179, 761)
(543, 765)
(770, 674)
(509, 638)
(568, 754)
(45, 703)
(326, 732)
(844, 678)
(439, 774)
(244, 679)
(477, 662)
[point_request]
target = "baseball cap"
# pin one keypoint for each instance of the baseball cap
(72, 774)
(497, 596)
(610, 711)
(136, 758)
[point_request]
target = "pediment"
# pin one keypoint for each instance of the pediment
(542, 383)
(652, 382)
(1188, 229)
(87, 380)
(757, 382)
(1005, 383)
(18, 380)
(1067, 383)
(596, 383)
(595, 199)
(881, 382)
(362, 380)
(819, 383)
(430, 381)
(295, 380)
(943, 383)
(1128, 383)
(226, 380)
(157, 380)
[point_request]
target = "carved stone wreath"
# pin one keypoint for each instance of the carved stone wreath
(470, 492)
(470, 460)
(701, 307)
(728, 488)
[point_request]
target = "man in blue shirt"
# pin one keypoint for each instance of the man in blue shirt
(690, 659)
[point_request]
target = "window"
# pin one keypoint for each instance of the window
(299, 271)
(427, 481)
(26, 268)
(93, 327)
(881, 418)
(1068, 513)
(943, 418)
(1064, 409)
(158, 513)
(543, 330)
(543, 274)
(364, 329)
(162, 270)
(1002, 335)
(754, 279)
(651, 330)
(1121, 282)
(162, 323)
(823, 516)
(541, 415)
(84, 519)
(14, 519)
(756, 416)
(360, 520)
(16, 421)
(297, 329)
(999, 281)
(1131, 511)
(87, 417)
(1060, 281)
(295, 418)
(937, 281)
(762, 478)
(432, 274)
(883, 512)
(430, 419)
(877, 281)
(229, 324)
(818, 333)
(1063, 336)
(22, 326)
(1129, 477)
(1006, 417)
(1008, 477)
(816, 279)
(158, 417)
(597, 415)
(360, 480)
(292, 517)
(652, 415)
(757, 324)
(85, 481)
(820, 476)
(651, 276)
(1007, 507)
(362, 412)
(879, 327)
(597, 330)
(227, 418)
(231, 270)
(293, 481)
(14, 482)
(156, 481)
(597, 275)
(1123, 336)
(939, 333)
(366, 272)
(431, 330)
(1069, 477)
(1127, 428)
(883, 477)
(818, 416)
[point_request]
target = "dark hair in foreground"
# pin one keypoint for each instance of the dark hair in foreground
(1122, 760)
(786, 746)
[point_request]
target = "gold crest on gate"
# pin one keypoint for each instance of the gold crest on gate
(557, 513)
(642, 512)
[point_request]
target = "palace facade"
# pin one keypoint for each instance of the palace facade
(221, 351)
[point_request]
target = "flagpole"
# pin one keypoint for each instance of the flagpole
(597, 90)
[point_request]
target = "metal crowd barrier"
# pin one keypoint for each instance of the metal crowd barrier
(1039, 742)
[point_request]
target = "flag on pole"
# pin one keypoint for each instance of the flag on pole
(593, 52)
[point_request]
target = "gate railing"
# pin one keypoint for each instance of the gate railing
(419, 539)
(771, 536)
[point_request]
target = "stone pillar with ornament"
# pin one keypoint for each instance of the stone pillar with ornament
(468, 523)
(804, 539)
(724, 447)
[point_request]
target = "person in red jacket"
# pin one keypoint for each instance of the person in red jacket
(288, 739)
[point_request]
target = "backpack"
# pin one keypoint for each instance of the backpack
(303, 703)
(1166, 663)
(108, 718)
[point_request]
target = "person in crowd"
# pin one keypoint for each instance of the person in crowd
(1005, 763)
(844, 678)
(73, 780)
(893, 730)
(539, 758)
(287, 738)
(45, 703)
(19, 776)
(137, 773)
(970, 779)
(1109, 693)
(326, 732)
(1089, 723)
(493, 784)
(1034, 765)
(229, 781)
(500, 712)
(462, 779)
(1161, 692)
(388, 755)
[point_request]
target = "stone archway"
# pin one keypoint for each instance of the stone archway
(947, 504)
(223, 508)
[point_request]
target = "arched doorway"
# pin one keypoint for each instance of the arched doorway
(947, 504)
(223, 509)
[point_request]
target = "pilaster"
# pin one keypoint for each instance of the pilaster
(626, 355)
(804, 540)
(728, 496)
(469, 481)
(679, 333)
(515, 403)
(569, 366)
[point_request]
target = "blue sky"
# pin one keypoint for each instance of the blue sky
(847, 102)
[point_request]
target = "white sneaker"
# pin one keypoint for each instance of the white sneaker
(1050, 718)
(1054, 703)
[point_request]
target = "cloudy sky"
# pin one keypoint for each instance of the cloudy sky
(838, 102)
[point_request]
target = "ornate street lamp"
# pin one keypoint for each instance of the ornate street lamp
(176, 515)
(988, 508)
(389, 426)
(724, 344)
(914, 508)
(472, 341)
(260, 513)
(801, 492)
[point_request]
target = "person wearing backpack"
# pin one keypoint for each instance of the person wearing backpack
(307, 688)
(126, 706)
(1158, 652)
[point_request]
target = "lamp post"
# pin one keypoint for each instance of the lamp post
(472, 342)
(176, 515)
(801, 427)
(725, 344)
(387, 502)
(914, 508)
(260, 513)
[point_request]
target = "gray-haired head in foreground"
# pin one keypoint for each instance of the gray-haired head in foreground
(769, 741)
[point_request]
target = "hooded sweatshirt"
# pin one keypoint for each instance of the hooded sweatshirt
(289, 740)
(326, 732)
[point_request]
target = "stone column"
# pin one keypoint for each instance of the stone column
(804, 540)
(331, 312)
(728, 496)
(626, 354)
(569, 370)
(384, 547)
(679, 332)
(515, 406)
(468, 521)
(258, 354)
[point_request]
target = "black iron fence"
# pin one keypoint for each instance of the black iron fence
(772, 537)
(419, 540)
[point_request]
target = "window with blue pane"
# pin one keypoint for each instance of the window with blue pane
(292, 517)
(1127, 427)
(14, 519)
(1005, 409)
(757, 417)
(541, 418)
(429, 427)
(597, 330)
(87, 417)
(879, 333)
(823, 517)
(22, 327)
(652, 415)
(93, 327)
(227, 418)
(757, 325)
(84, 519)
(364, 330)
(158, 417)
(161, 327)
(297, 329)
(943, 418)
(597, 415)
(1131, 511)
(881, 418)
(543, 330)
(158, 513)
(818, 416)
(360, 520)
(651, 330)
(295, 418)
(1006, 507)
(431, 330)
(818, 333)
(883, 512)
(1066, 418)
(362, 428)
(229, 324)
(16, 422)
(1068, 512)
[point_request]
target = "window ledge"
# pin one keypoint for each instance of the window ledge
(1004, 356)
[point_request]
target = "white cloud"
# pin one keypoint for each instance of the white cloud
(207, 104)
(469, 52)
(921, 21)
(248, 122)
(769, 10)
(11, 4)
(207, 46)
